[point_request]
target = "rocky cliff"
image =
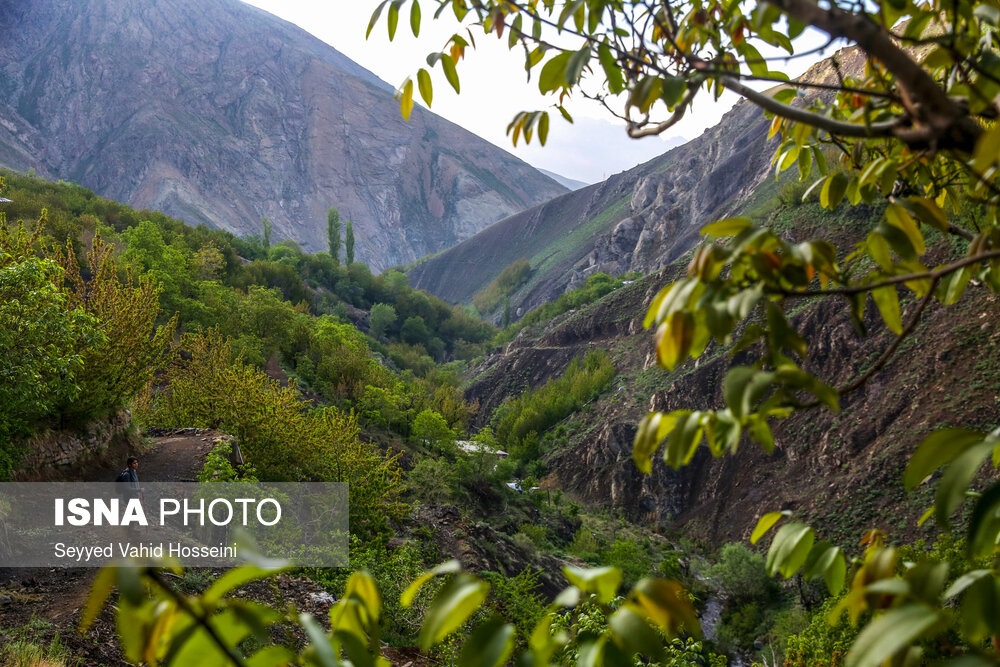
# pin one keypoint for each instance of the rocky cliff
(217, 112)
(841, 472)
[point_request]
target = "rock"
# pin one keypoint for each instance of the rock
(217, 112)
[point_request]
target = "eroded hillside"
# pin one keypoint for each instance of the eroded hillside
(841, 471)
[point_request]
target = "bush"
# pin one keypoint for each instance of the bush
(505, 284)
(742, 575)
(211, 389)
(630, 558)
(533, 412)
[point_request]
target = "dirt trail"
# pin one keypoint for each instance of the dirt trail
(49, 599)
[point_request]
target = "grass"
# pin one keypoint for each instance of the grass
(21, 647)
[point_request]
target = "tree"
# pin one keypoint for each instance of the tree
(267, 226)
(349, 242)
(432, 430)
(333, 233)
(912, 126)
(380, 318)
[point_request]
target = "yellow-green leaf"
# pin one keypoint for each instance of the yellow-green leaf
(727, 227)
(765, 524)
(887, 301)
(425, 86)
(890, 633)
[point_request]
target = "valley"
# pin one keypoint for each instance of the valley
(731, 406)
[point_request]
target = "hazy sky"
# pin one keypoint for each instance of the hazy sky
(494, 88)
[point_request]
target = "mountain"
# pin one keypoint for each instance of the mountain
(570, 183)
(639, 220)
(218, 112)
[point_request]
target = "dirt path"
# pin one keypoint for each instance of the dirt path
(47, 601)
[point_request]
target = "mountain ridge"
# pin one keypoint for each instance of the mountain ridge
(218, 112)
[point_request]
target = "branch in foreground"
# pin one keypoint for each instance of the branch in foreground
(895, 280)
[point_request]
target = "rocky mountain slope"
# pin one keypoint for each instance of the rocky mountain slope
(841, 471)
(217, 112)
(638, 220)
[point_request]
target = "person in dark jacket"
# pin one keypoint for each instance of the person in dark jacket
(132, 488)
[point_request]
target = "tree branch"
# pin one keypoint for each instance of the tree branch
(830, 125)
(182, 602)
(934, 275)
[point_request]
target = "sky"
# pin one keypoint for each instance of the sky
(494, 89)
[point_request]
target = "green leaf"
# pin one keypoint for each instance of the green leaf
(425, 86)
(393, 19)
(980, 609)
(927, 212)
(937, 449)
(890, 633)
(574, 68)
(765, 524)
(956, 479)
(553, 74)
(458, 599)
(727, 227)
(965, 581)
(325, 654)
(450, 73)
(633, 634)
(99, 592)
(489, 645)
(374, 18)
(602, 582)
(415, 18)
(612, 72)
(952, 286)
(651, 431)
(406, 599)
(673, 90)
(271, 656)
(667, 605)
(899, 217)
(406, 99)
(984, 524)
(887, 301)
(684, 440)
(673, 339)
(833, 190)
(543, 127)
(789, 549)
(233, 579)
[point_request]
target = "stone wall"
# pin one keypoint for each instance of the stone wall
(54, 451)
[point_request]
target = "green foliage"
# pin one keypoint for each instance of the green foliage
(518, 422)
(390, 570)
(349, 243)
(593, 288)
(266, 226)
(219, 467)
(742, 574)
(627, 556)
(431, 480)
(333, 233)
(586, 545)
(41, 345)
(432, 431)
(21, 647)
(209, 388)
(505, 284)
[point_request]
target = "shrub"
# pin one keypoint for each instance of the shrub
(211, 389)
(506, 283)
